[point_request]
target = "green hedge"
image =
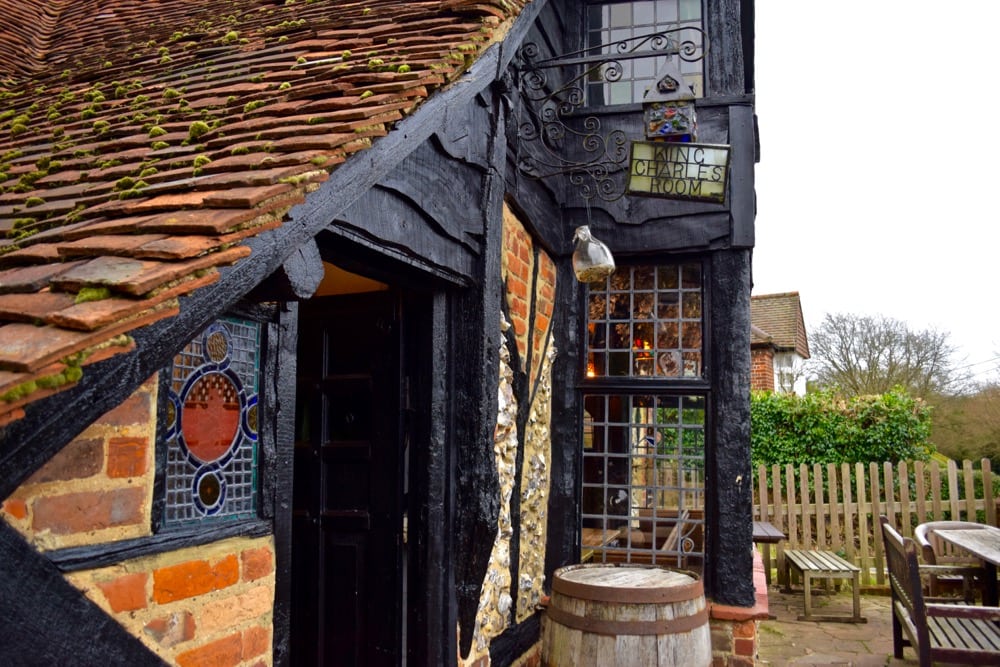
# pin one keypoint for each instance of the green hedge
(823, 428)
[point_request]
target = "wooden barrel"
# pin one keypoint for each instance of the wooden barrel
(625, 615)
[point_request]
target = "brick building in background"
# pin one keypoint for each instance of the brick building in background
(779, 345)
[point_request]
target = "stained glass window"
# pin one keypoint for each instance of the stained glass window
(211, 431)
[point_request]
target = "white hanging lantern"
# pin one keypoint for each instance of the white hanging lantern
(592, 261)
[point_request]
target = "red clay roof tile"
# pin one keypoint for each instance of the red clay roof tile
(779, 316)
(144, 138)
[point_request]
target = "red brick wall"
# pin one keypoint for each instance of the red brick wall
(99, 487)
(523, 290)
(762, 369)
(210, 605)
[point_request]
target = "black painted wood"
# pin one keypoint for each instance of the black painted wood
(160, 454)
(406, 229)
(296, 279)
(724, 69)
(742, 200)
(72, 559)
(282, 387)
(729, 579)
(522, 390)
(430, 545)
(46, 621)
(567, 419)
(351, 250)
(685, 234)
(477, 338)
(443, 190)
(461, 133)
(515, 642)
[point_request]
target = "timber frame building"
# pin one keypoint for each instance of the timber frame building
(294, 365)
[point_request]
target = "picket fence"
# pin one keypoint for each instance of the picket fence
(837, 507)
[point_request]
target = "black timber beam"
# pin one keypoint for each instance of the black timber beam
(730, 579)
(45, 619)
(296, 279)
(476, 328)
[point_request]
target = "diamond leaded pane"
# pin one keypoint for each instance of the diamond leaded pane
(212, 428)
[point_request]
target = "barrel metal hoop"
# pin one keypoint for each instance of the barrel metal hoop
(582, 591)
(600, 626)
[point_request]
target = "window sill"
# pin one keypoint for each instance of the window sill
(102, 555)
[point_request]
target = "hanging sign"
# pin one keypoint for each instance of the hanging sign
(679, 170)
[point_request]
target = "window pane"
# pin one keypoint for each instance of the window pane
(642, 305)
(598, 307)
(658, 323)
(666, 11)
(644, 479)
(615, 22)
(690, 10)
(621, 14)
(643, 13)
(642, 277)
(620, 92)
(596, 17)
(211, 439)
(692, 305)
(618, 363)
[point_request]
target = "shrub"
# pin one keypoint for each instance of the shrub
(824, 428)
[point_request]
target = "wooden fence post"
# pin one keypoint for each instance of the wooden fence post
(839, 514)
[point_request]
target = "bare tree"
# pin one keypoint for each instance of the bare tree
(871, 355)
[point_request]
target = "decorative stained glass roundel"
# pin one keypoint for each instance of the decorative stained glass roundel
(211, 417)
(211, 436)
(252, 418)
(216, 346)
(209, 491)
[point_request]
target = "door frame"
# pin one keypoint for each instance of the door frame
(430, 614)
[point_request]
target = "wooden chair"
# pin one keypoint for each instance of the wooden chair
(935, 551)
(937, 632)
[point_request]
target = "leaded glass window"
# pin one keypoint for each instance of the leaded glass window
(647, 321)
(212, 431)
(644, 477)
(644, 444)
(609, 23)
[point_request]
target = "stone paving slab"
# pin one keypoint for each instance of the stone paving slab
(787, 641)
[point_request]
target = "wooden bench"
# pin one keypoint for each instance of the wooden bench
(812, 565)
(937, 632)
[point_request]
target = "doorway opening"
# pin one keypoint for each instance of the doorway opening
(357, 400)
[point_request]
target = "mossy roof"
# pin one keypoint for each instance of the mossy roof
(143, 142)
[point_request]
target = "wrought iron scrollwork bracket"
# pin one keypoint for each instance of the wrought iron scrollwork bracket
(552, 92)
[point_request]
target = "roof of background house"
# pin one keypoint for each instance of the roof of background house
(779, 319)
(759, 336)
(143, 142)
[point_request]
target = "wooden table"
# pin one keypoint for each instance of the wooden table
(984, 544)
(591, 538)
(765, 533)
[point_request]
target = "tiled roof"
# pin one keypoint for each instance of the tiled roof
(141, 141)
(779, 317)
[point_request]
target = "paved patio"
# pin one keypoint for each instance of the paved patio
(786, 640)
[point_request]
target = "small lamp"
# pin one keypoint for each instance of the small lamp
(668, 106)
(592, 261)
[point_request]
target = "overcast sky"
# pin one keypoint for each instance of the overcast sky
(877, 187)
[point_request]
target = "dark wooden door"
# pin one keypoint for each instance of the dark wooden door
(348, 490)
